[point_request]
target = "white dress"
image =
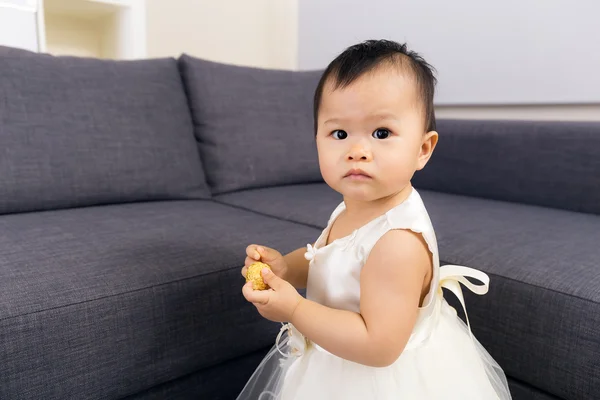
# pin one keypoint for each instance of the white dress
(442, 359)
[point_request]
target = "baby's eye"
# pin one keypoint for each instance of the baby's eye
(339, 134)
(381, 133)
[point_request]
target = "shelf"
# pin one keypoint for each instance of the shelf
(113, 29)
(81, 9)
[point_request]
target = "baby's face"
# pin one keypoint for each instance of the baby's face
(370, 135)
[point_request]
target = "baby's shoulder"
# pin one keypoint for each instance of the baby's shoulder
(409, 217)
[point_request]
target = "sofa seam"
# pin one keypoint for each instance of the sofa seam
(265, 214)
(529, 385)
(197, 371)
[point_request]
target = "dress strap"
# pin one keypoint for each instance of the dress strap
(451, 276)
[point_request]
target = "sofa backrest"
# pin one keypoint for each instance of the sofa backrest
(545, 163)
(254, 127)
(79, 132)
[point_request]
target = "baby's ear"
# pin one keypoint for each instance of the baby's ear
(430, 140)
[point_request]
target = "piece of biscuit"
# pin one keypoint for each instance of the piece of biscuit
(254, 275)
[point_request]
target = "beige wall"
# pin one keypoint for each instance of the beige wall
(260, 33)
(66, 35)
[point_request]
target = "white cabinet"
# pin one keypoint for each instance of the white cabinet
(113, 29)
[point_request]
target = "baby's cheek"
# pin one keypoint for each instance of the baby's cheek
(329, 178)
(327, 170)
(398, 172)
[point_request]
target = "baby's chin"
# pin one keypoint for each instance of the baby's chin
(364, 193)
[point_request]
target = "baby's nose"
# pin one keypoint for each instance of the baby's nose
(359, 153)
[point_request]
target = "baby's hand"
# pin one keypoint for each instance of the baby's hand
(255, 253)
(277, 303)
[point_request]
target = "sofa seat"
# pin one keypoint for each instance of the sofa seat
(110, 301)
(544, 265)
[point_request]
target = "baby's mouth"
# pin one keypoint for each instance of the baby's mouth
(357, 174)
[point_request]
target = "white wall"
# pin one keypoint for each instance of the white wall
(508, 52)
(260, 33)
(523, 59)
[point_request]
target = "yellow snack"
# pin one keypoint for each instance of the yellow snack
(254, 275)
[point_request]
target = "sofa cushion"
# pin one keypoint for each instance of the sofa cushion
(547, 163)
(540, 319)
(254, 127)
(78, 132)
(105, 302)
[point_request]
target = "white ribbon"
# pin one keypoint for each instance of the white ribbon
(451, 276)
(297, 342)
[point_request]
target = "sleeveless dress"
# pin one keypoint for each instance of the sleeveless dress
(442, 359)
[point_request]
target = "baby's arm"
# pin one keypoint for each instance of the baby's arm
(297, 270)
(391, 283)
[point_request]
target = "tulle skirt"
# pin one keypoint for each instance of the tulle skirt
(449, 364)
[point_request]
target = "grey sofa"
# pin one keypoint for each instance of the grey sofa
(129, 191)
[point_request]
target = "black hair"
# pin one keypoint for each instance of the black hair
(364, 57)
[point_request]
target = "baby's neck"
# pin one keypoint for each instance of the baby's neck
(371, 209)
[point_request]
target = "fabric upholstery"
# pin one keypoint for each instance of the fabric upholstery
(105, 302)
(546, 163)
(254, 127)
(76, 132)
(522, 391)
(219, 382)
